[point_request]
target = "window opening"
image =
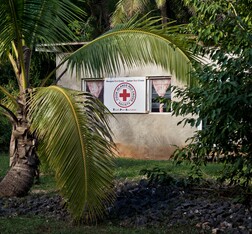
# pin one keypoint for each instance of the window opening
(95, 87)
(160, 94)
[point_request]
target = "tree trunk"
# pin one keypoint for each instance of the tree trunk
(163, 10)
(23, 161)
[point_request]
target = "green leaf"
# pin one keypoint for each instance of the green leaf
(75, 140)
(36, 21)
(135, 44)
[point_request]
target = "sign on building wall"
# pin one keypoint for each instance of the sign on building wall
(125, 94)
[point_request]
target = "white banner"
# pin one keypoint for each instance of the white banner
(125, 94)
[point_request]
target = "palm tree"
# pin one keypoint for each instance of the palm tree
(125, 9)
(68, 129)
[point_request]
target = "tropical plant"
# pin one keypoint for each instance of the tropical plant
(173, 9)
(222, 102)
(5, 126)
(96, 20)
(68, 129)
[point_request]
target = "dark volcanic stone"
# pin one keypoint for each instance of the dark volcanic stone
(144, 205)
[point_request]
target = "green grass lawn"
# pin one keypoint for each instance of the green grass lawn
(36, 225)
(125, 169)
(130, 168)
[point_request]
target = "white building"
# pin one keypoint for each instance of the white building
(143, 128)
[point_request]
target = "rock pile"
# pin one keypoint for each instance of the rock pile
(44, 205)
(141, 205)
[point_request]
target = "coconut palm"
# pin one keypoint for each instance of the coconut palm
(125, 9)
(66, 128)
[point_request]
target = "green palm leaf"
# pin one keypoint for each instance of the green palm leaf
(136, 43)
(10, 97)
(36, 21)
(76, 141)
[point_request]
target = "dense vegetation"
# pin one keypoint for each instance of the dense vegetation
(48, 122)
(222, 100)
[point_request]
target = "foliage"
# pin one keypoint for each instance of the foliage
(95, 21)
(222, 102)
(222, 23)
(160, 176)
(136, 43)
(83, 143)
(157, 176)
(40, 67)
(69, 128)
(26, 24)
(5, 134)
(125, 169)
(5, 127)
(172, 9)
(5, 73)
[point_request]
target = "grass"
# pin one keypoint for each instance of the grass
(4, 164)
(36, 225)
(130, 168)
(125, 169)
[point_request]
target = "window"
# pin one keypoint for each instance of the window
(160, 94)
(95, 87)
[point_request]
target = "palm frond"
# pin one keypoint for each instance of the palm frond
(134, 44)
(8, 113)
(76, 142)
(36, 21)
(9, 96)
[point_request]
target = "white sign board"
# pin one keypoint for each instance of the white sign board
(125, 94)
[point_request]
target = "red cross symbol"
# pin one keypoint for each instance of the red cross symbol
(124, 95)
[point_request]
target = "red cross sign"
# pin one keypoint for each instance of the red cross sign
(124, 95)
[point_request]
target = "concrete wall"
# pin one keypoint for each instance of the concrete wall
(142, 136)
(148, 136)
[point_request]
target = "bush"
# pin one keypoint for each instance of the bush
(5, 134)
(222, 101)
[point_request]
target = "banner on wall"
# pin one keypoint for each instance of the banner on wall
(125, 94)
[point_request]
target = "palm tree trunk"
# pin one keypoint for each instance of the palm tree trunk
(163, 11)
(23, 160)
(17, 181)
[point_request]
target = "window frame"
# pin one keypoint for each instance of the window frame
(149, 80)
(84, 85)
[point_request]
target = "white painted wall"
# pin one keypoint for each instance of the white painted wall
(147, 135)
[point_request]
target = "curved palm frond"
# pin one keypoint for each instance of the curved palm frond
(135, 44)
(75, 140)
(8, 113)
(9, 105)
(36, 21)
(9, 96)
